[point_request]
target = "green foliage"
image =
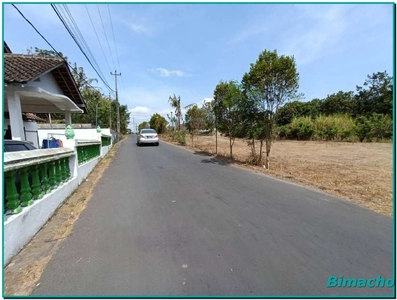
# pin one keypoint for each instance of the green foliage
(301, 128)
(175, 102)
(338, 103)
(158, 123)
(272, 80)
(228, 98)
(143, 125)
(178, 136)
(208, 108)
(43, 52)
(195, 120)
(376, 127)
(376, 96)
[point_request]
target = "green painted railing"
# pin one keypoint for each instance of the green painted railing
(106, 141)
(86, 153)
(22, 186)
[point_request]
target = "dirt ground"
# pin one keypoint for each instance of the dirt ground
(357, 172)
(23, 272)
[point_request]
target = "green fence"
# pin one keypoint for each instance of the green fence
(86, 153)
(106, 141)
(25, 185)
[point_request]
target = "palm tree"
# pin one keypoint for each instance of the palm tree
(176, 103)
(81, 79)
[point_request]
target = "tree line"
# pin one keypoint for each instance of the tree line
(266, 105)
(106, 117)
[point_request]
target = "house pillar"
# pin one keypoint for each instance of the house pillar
(68, 118)
(15, 111)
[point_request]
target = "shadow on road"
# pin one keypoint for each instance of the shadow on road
(215, 161)
(211, 160)
(202, 153)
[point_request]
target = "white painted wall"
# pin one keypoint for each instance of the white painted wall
(48, 83)
(80, 134)
(20, 229)
(31, 133)
(105, 150)
(30, 136)
(85, 169)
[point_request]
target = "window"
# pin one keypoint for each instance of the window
(15, 147)
(148, 131)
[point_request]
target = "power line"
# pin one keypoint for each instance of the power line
(81, 37)
(101, 76)
(52, 47)
(74, 38)
(100, 44)
(115, 46)
(106, 37)
(114, 38)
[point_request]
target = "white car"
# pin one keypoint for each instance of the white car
(147, 136)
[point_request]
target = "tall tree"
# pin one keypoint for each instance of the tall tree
(227, 97)
(143, 125)
(272, 80)
(158, 123)
(338, 103)
(175, 102)
(208, 108)
(44, 52)
(195, 120)
(375, 96)
(81, 79)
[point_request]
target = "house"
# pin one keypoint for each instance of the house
(38, 84)
(36, 182)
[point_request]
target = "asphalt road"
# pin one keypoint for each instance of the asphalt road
(165, 221)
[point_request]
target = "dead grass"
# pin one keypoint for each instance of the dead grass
(25, 269)
(358, 172)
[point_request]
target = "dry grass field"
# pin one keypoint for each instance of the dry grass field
(357, 172)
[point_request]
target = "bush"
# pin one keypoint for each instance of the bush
(376, 127)
(178, 136)
(335, 127)
(301, 128)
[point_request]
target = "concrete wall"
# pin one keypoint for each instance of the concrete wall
(20, 229)
(28, 126)
(31, 133)
(48, 83)
(105, 150)
(85, 169)
(80, 134)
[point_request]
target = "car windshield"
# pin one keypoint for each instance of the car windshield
(148, 131)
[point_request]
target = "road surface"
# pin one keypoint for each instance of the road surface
(168, 222)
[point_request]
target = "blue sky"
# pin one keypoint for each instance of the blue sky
(187, 49)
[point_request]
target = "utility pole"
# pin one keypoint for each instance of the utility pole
(110, 112)
(117, 104)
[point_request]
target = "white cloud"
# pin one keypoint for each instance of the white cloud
(313, 31)
(168, 73)
(139, 28)
(140, 109)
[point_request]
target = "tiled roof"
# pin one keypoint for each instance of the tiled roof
(31, 116)
(20, 68)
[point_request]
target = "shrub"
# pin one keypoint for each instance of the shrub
(179, 137)
(301, 128)
(381, 127)
(335, 127)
